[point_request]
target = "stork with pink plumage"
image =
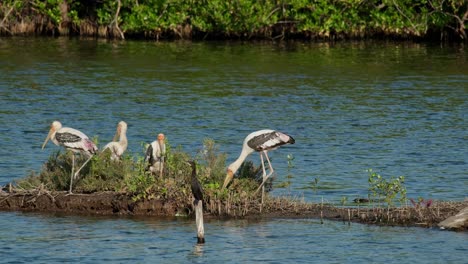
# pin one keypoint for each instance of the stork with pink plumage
(73, 140)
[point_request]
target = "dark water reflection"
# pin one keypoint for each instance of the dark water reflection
(398, 108)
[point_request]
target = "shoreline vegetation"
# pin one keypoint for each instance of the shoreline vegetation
(319, 20)
(127, 187)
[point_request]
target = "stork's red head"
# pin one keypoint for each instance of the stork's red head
(161, 137)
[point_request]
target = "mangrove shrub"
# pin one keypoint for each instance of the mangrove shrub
(237, 19)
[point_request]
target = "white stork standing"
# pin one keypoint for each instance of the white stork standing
(117, 148)
(261, 141)
(155, 155)
(74, 140)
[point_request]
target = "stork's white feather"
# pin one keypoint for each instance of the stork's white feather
(261, 141)
(155, 154)
(117, 148)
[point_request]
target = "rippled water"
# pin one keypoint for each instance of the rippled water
(397, 108)
(53, 239)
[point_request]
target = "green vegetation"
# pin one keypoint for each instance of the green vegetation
(380, 188)
(289, 177)
(344, 200)
(238, 19)
(130, 176)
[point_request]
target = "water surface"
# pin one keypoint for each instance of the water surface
(55, 239)
(398, 108)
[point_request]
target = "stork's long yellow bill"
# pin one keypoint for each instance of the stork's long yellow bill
(51, 131)
(228, 178)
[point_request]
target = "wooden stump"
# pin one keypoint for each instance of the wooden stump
(199, 222)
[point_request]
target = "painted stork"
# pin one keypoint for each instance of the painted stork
(117, 148)
(155, 155)
(74, 140)
(260, 141)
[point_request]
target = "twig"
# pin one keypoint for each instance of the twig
(115, 22)
(349, 217)
(321, 212)
(5, 199)
(6, 16)
(461, 21)
(272, 12)
(403, 14)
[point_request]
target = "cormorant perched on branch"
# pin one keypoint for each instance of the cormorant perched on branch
(197, 192)
(195, 185)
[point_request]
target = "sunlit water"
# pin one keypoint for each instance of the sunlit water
(400, 109)
(53, 239)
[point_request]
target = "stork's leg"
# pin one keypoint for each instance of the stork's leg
(82, 166)
(269, 164)
(263, 166)
(78, 171)
(72, 172)
(265, 177)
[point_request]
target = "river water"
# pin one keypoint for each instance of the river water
(398, 108)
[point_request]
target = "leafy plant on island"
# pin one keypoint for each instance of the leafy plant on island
(289, 176)
(388, 190)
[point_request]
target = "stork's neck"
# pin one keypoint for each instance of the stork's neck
(236, 164)
(161, 147)
(123, 138)
(52, 137)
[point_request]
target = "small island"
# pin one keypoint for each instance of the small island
(126, 187)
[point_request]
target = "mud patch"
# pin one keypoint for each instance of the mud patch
(104, 203)
(112, 203)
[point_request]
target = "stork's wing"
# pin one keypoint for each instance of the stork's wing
(113, 147)
(266, 141)
(66, 137)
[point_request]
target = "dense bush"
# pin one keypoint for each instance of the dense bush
(188, 19)
(130, 176)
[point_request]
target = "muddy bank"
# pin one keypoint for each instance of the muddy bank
(103, 203)
(111, 203)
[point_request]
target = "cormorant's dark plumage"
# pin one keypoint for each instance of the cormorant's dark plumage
(195, 185)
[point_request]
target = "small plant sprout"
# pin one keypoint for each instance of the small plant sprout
(388, 190)
(290, 166)
(290, 161)
(314, 184)
(344, 200)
